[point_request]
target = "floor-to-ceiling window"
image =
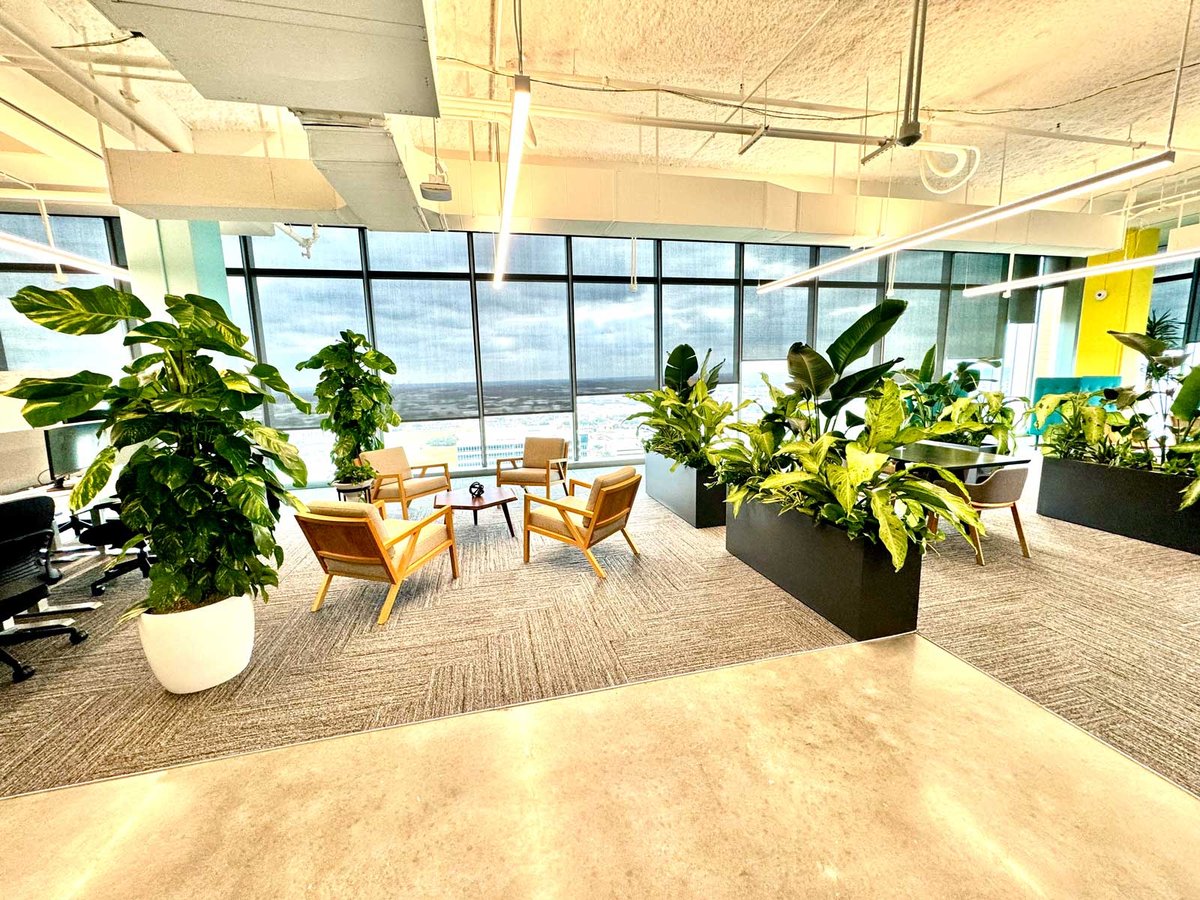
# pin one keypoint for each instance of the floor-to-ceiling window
(25, 345)
(577, 323)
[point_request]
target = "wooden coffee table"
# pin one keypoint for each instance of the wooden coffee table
(492, 496)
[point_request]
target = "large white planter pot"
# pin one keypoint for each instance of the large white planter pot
(200, 648)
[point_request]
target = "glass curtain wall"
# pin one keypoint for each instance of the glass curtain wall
(24, 345)
(577, 323)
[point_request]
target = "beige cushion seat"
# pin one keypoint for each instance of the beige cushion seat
(524, 475)
(413, 488)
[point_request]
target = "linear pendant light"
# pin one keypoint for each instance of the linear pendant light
(516, 147)
(1121, 265)
(46, 253)
(1109, 177)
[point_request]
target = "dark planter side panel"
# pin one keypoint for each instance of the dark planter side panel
(1133, 503)
(852, 584)
(684, 492)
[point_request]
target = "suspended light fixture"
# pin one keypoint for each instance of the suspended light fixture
(1121, 265)
(46, 253)
(1095, 182)
(516, 147)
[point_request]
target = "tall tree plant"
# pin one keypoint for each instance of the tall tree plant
(355, 401)
(200, 485)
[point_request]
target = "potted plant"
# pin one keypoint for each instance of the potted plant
(982, 417)
(1107, 468)
(684, 422)
(199, 485)
(356, 404)
(825, 515)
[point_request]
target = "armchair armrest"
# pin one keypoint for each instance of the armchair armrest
(415, 528)
(575, 482)
(559, 465)
(421, 470)
(511, 460)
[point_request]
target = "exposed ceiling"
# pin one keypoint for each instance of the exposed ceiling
(1029, 58)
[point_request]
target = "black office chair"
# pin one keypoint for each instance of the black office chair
(110, 531)
(26, 530)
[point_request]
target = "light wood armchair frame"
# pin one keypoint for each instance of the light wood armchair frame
(613, 503)
(399, 478)
(358, 541)
(556, 472)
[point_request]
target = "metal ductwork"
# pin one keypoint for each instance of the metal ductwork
(359, 157)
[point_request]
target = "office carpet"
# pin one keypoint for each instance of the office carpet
(503, 633)
(1099, 629)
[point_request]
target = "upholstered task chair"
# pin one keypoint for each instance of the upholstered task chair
(1002, 489)
(542, 465)
(399, 482)
(585, 522)
(354, 540)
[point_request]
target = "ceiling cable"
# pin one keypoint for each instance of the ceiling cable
(1187, 27)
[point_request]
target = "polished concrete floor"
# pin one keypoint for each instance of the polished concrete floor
(882, 769)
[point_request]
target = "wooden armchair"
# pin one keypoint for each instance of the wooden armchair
(584, 523)
(354, 540)
(399, 482)
(543, 464)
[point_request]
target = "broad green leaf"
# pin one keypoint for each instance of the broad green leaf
(1191, 494)
(928, 364)
(74, 310)
(1046, 406)
(277, 444)
(162, 334)
(885, 414)
(810, 372)
(249, 494)
(269, 376)
(839, 481)
(238, 382)
(891, 530)
(49, 401)
(682, 364)
(857, 340)
(1187, 401)
(1149, 347)
(862, 465)
(1095, 422)
(94, 479)
(196, 314)
(380, 362)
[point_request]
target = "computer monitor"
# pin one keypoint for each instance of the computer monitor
(70, 448)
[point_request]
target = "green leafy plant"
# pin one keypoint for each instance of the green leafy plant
(683, 419)
(200, 485)
(355, 401)
(799, 457)
(848, 484)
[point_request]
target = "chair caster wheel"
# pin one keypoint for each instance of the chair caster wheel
(23, 674)
(78, 637)
(97, 590)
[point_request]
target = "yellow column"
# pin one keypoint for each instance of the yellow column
(1117, 302)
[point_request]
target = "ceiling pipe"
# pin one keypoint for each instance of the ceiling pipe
(68, 68)
(802, 105)
(910, 128)
(491, 110)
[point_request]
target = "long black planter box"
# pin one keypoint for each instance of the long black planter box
(1134, 503)
(851, 583)
(684, 492)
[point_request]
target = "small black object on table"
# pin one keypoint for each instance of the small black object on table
(350, 491)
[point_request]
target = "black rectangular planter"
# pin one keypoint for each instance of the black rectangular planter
(1134, 503)
(684, 492)
(851, 583)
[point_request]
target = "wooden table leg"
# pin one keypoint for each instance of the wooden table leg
(508, 519)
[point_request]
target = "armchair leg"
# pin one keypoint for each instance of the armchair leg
(933, 523)
(403, 508)
(629, 541)
(321, 592)
(591, 557)
(454, 571)
(526, 545)
(389, 602)
(1020, 531)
